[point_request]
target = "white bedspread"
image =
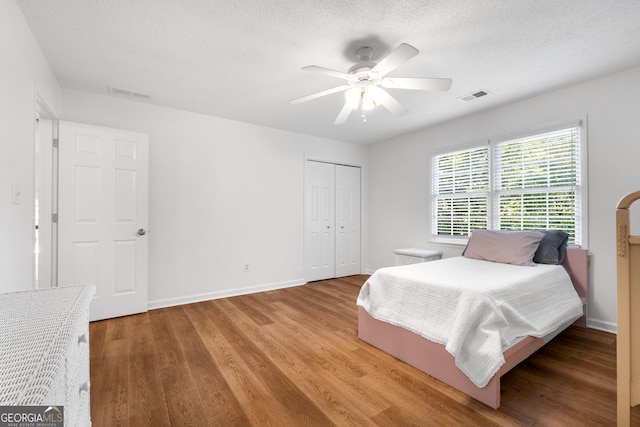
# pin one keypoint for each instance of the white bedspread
(475, 308)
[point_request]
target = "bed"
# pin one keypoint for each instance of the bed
(628, 321)
(467, 336)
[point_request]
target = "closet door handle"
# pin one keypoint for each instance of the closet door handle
(142, 232)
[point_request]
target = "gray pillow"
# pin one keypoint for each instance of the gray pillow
(508, 247)
(552, 248)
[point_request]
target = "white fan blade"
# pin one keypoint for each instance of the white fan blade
(344, 114)
(398, 56)
(327, 71)
(416, 83)
(390, 103)
(320, 94)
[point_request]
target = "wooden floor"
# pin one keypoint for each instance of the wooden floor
(291, 357)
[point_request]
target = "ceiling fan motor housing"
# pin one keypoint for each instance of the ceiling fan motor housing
(362, 74)
(361, 71)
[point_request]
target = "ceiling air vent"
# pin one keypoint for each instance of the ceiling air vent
(475, 95)
(127, 93)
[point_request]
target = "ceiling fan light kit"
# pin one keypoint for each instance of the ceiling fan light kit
(364, 98)
(366, 80)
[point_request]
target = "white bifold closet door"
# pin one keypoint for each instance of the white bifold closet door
(332, 220)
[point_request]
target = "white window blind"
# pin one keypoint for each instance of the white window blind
(460, 189)
(536, 183)
(528, 183)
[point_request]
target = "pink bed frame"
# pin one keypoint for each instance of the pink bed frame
(433, 359)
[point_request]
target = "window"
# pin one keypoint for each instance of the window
(461, 192)
(526, 183)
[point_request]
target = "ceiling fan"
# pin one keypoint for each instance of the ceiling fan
(366, 82)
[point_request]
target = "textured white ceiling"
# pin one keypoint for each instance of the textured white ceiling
(242, 59)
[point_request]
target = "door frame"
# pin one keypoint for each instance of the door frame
(45, 173)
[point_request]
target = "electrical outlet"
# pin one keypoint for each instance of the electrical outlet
(246, 268)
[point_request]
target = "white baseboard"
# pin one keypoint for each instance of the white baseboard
(602, 325)
(170, 302)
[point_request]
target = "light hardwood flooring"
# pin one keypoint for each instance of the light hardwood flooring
(291, 357)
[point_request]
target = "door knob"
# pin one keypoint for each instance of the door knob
(142, 232)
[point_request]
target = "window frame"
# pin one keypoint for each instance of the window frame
(580, 124)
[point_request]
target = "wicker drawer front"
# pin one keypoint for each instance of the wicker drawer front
(48, 332)
(77, 376)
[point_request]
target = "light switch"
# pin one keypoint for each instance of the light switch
(15, 194)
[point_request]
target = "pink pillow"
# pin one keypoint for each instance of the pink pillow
(509, 247)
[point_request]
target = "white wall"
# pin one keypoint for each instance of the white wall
(24, 74)
(222, 193)
(399, 205)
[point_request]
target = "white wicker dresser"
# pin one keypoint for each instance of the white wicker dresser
(44, 350)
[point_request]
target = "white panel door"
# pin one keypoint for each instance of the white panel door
(319, 211)
(347, 221)
(102, 216)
